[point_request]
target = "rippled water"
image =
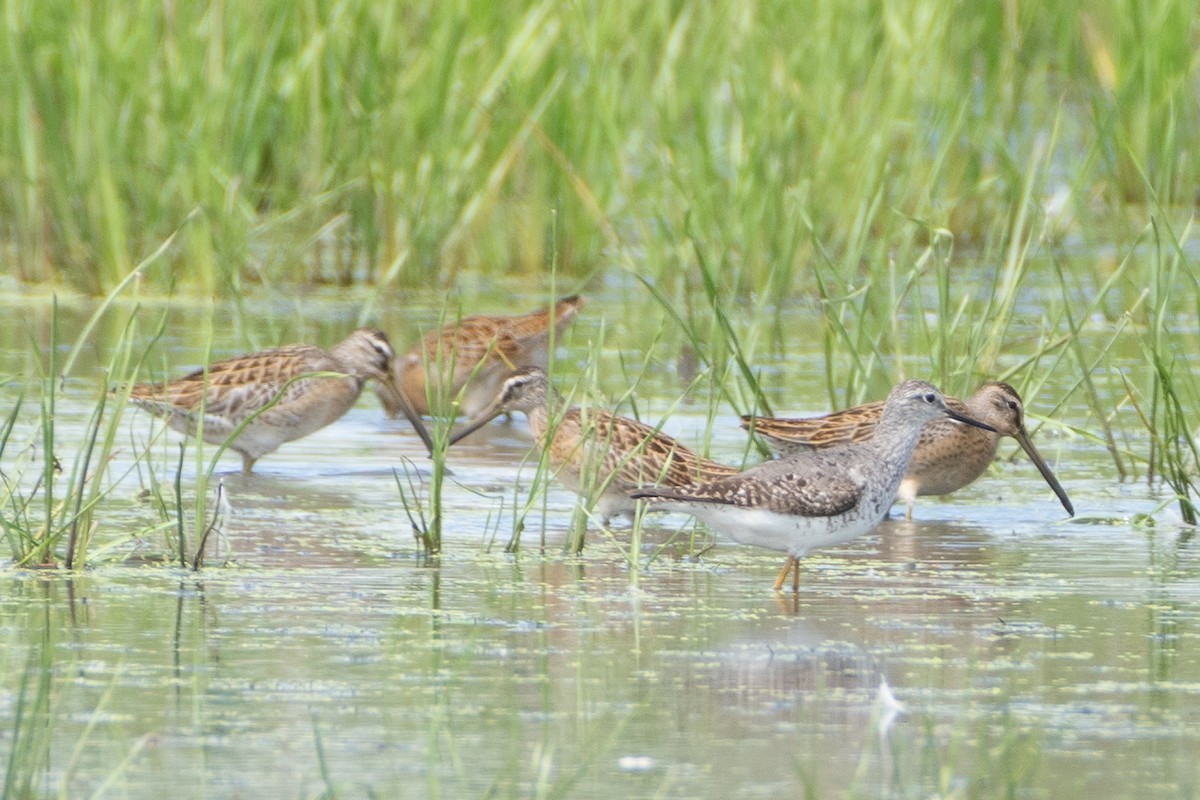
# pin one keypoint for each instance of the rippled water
(318, 652)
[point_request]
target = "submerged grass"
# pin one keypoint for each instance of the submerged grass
(29, 740)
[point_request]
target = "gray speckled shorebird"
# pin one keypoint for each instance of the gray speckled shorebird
(615, 455)
(231, 391)
(820, 498)
(475, 354)
(948, 456)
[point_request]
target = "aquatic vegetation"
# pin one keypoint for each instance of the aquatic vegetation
(439, 391)
(50, 491)
(352, 142)
(1175, 386)
(917, 171)
(774, 208)
(29, 738)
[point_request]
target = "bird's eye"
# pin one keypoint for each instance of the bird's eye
(930, 397)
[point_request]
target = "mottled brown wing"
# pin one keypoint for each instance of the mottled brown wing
(813, 486)
(477, 339)
(508, 349)
(536, 324)
(464, 345)
(238, 386)
(635, 454)
(852, 425)
(802, 492)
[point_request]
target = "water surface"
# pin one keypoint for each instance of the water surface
(318, 651)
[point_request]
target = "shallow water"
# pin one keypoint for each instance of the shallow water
(1030, 654)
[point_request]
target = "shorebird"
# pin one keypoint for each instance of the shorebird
(816, 499)
(948, 456)
(285, 393)
(595, 453)
(474, 355)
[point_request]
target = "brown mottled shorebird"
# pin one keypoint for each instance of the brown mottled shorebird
(814, 499)
(305, 387)
(948, 456)
(590, 448)
(475, 354)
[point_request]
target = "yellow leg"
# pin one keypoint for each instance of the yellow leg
(787, 566)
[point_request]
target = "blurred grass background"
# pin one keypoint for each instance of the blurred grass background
(354, 141)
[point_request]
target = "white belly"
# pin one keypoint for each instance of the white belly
(789, 533)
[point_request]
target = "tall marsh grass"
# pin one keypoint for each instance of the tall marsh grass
(360, 141)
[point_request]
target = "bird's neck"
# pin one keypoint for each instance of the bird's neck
(539, 413)
(895, 439)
